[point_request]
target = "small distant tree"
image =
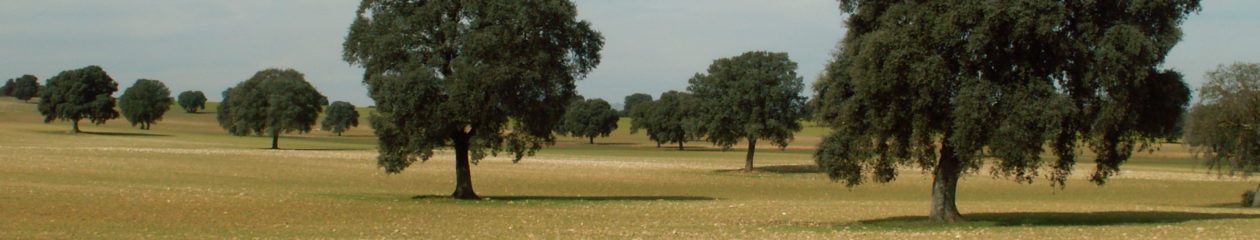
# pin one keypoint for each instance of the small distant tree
(753, 96)
(26, 87)
(191, 101)
(77, 94)
(340, 117)
(271, 102)
(145, 102)
(634, 100)
(589, 119)
(1224, 125)
(7, 89)
(664, 119)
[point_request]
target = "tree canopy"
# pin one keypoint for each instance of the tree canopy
(77, 94)
(191, 101)
(271, 102)
(483, 76)
(634, 100)
(753, 96)
(145, 102)
(25, 88)
(664, 120)
(589, 119)
(7, 89)
(1224, 125)
(943, 85)
(340, 117)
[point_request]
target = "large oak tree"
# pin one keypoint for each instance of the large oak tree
(945, 85)
(483, 76)
(271, 102)
(753, 96)
(77, 94)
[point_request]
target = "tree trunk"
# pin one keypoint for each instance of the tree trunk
(275, 140)
(945, 186)
(680, 146)
(1255, 199)
(752, 148)
(463, 172)
(76, 126)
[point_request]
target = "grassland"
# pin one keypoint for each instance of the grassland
(187, 179)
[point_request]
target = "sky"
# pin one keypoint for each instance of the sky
(651, 46)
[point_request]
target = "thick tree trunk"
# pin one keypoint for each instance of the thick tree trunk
(752, 148)
(945, 187)
(463, 171)
(76, 126)
(592, 140)
(680, 146)
(275, 140)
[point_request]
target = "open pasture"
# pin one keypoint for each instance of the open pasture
(186, 178)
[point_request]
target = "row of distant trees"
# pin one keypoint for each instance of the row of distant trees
(272, 102)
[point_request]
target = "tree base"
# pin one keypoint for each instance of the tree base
(948, 218)
(465, 195)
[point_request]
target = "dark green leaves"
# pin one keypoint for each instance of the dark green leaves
(145, 102)
(665, 119)
(589, 119)
(25, 88)
(998, 80)
(754, 95)
(1224, 126)
(633, 100)
(77, 94)
(271, 102)
(191, 101)
(340, 117)
(497, 73)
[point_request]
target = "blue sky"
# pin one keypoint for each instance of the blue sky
(652, 45)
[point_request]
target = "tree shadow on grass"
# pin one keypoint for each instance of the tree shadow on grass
(1059, 219)
(614, 144)
(779, 169)
(576, 198)
(318, 149)
(125, 134)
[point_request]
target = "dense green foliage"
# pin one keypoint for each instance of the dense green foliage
(25, 88)
(589, 119)
(191, 101)
(340, 117)
(7, 89)
(271, 102)
(942, 85)
(483, 76)
(633, 100)
(664, 120)
(77, 94)
(145, 102)
(756, 95)
(1223, 125)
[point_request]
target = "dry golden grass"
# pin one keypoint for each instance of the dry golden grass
(187, 179)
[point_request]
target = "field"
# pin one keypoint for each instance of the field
(186, 178)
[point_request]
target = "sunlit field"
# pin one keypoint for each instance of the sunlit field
(187, 178)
